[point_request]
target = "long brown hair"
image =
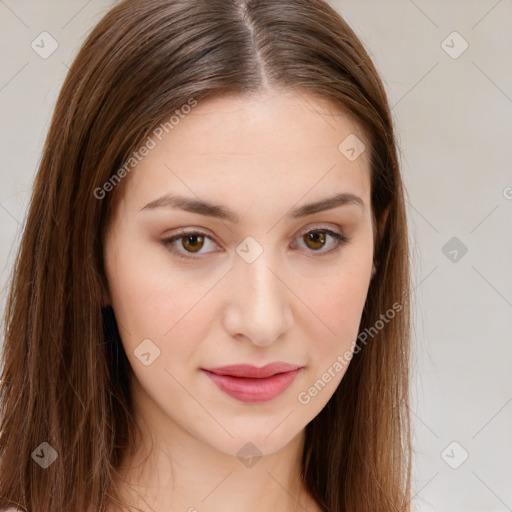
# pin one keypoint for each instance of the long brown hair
(65, 376)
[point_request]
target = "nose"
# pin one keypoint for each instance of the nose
(259, 302)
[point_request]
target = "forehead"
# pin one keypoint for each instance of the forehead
(252, 145)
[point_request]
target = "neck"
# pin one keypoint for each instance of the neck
(171, 470)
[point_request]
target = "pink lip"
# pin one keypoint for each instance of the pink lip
(252, 384)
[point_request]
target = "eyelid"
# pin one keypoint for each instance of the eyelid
(320, 227)
(340, 240)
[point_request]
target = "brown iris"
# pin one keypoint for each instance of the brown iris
(317, 238)
(193, 243)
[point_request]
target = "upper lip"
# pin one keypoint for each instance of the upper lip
(247, 370)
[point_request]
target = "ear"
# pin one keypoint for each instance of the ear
(382, 221)
(380, 232)
(105, 297)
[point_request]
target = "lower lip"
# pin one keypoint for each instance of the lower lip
(253, 390)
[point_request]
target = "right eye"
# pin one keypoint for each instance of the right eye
(191, 241)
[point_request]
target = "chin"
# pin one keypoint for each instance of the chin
(256, 441)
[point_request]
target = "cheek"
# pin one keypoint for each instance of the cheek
(155, 305)
(338, 303)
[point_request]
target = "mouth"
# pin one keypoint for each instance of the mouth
(251, 384)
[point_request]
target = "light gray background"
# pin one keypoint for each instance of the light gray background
(454, 122)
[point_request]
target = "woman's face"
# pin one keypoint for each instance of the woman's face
(265, 282)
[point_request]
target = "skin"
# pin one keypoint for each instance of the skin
(260, 156)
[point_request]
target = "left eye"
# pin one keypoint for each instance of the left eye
(317, 238)
(192, 242)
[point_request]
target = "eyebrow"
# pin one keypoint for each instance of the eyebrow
(221, 212)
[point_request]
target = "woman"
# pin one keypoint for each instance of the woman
(210, 306)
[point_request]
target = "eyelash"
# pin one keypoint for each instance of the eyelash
(340, 240)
